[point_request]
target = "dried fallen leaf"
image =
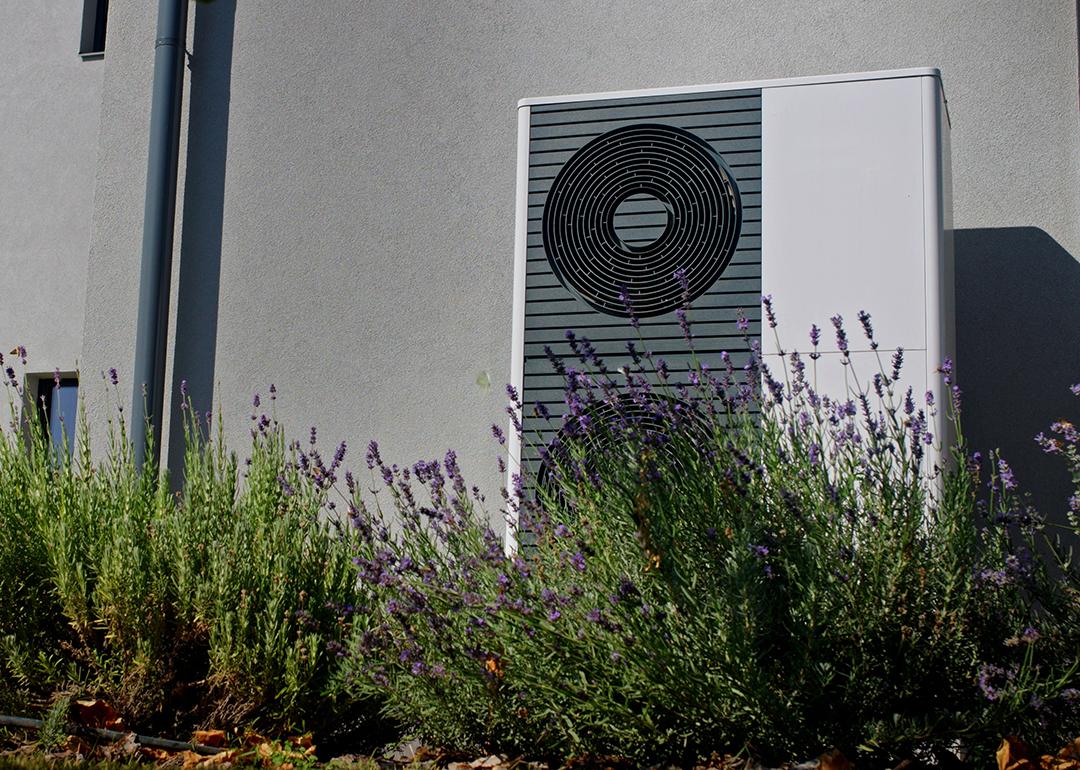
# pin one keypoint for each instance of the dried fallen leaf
(1072, 751)
(77, 746)
(222, 757)
(834, 760)
(189, 758)
(209, 737)
(98, 713)
(1014, 754)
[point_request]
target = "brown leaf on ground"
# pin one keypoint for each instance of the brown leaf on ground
(214, 738)
(97, 713)
(834, 760)
(304, 741)
(1014, 754)
(77, 746)
(253, 739)
(221, 758)
(124, 748)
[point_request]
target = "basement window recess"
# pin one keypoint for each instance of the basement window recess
(57, 403)
(95, 17)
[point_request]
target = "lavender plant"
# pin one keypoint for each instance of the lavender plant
(217, 604)
(717, 565)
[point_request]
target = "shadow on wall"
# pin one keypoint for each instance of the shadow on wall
(1018, 350)
(210, 67)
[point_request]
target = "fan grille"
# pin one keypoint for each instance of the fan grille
(678, 192)
(621, 427)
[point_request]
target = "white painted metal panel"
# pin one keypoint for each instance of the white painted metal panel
(517, 362)
(843, 209)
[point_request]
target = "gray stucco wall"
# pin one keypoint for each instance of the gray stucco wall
(49, 105)
(348, 211)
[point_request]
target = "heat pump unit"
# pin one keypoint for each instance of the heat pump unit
(832, 194)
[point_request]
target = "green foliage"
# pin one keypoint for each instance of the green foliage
(705, 566)
(213, 604)
(54, 727)
(779, 572)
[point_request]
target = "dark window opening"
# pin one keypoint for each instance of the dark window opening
(58, 405)
(95, 16)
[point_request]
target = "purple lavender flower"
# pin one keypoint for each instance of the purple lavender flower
(761, 551)
(841, 335)
(561, 530)
(742, 323)
(1005, 473)
(770, 314)
(868, 330)
(628, 306)
(114, 378)
(256, 402)
(56, 378)
(554, 615)
(183, 388)
(373, 457)
(684, 324)
(578, 561)
(946, 370)
(680, 276)
(498, 433)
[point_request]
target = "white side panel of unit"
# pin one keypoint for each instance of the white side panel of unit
(940, 337)
(843, 210)
(517, 361)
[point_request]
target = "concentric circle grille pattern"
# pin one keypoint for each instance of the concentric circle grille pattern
(687, 208)
(616, 431)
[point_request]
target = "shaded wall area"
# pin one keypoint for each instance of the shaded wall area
(1018, 349)
(195, 325)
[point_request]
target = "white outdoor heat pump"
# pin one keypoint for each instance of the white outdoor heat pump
(830, 193)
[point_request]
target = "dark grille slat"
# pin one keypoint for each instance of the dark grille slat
(730, 123)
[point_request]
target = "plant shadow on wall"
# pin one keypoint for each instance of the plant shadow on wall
(210, 72)
(714, 566)
(1017, 343)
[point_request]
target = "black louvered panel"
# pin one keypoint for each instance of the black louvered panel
(727, 124)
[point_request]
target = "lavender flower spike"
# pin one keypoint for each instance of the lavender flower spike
(770, 314)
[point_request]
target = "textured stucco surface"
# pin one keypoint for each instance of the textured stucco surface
(366, 174)
(49, 105)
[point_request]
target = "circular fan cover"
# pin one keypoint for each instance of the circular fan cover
(622, 427)
(683, 194)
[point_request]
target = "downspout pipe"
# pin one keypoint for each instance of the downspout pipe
(159, 216)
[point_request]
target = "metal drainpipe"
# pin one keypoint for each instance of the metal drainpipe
(159, 215)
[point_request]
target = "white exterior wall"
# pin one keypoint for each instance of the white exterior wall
(49, 105)
(346, 215)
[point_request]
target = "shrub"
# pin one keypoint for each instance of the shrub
(220, 603)
(715, 567)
